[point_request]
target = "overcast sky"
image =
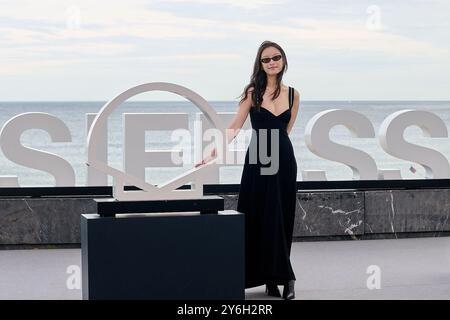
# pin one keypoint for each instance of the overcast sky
(337, 50)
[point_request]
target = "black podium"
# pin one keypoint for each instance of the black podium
(182, 254)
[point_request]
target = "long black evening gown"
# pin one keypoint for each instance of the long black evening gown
(268, 201)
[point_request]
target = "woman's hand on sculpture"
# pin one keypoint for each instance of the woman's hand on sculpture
(212, 156)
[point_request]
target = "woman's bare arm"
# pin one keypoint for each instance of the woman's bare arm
(240, 117)
(235, 125)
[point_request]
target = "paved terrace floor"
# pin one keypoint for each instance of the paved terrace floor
(408, 268)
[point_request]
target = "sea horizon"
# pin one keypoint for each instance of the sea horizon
(131, 100)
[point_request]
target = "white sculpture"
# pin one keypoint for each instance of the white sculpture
(168, 190)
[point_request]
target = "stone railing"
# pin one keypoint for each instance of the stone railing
(43, 218)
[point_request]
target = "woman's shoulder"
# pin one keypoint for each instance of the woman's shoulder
(296, 92)
(247, 96)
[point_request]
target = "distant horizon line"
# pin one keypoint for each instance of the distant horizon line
(319, 100)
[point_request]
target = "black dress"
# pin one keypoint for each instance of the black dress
(268, 200)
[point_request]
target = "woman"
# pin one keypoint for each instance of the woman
(268, 198)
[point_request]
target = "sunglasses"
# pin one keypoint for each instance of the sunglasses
(274, 58)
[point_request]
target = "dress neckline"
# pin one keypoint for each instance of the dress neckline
(288, 109)
(261, 107)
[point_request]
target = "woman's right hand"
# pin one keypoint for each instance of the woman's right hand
(208, 159)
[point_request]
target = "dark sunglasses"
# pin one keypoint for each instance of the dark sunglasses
(274, 58)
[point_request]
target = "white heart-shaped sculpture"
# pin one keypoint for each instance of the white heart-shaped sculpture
(166, 191)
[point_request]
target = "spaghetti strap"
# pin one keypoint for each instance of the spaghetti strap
(291, 97)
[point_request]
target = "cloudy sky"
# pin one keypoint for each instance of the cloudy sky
(337, 50)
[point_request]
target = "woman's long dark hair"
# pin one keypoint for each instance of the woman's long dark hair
(258, 80)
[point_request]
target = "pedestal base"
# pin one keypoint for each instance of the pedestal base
(163, 256)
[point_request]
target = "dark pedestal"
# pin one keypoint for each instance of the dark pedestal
(109, 207)
(164, 257)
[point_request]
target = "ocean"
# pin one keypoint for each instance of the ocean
(73, 115)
